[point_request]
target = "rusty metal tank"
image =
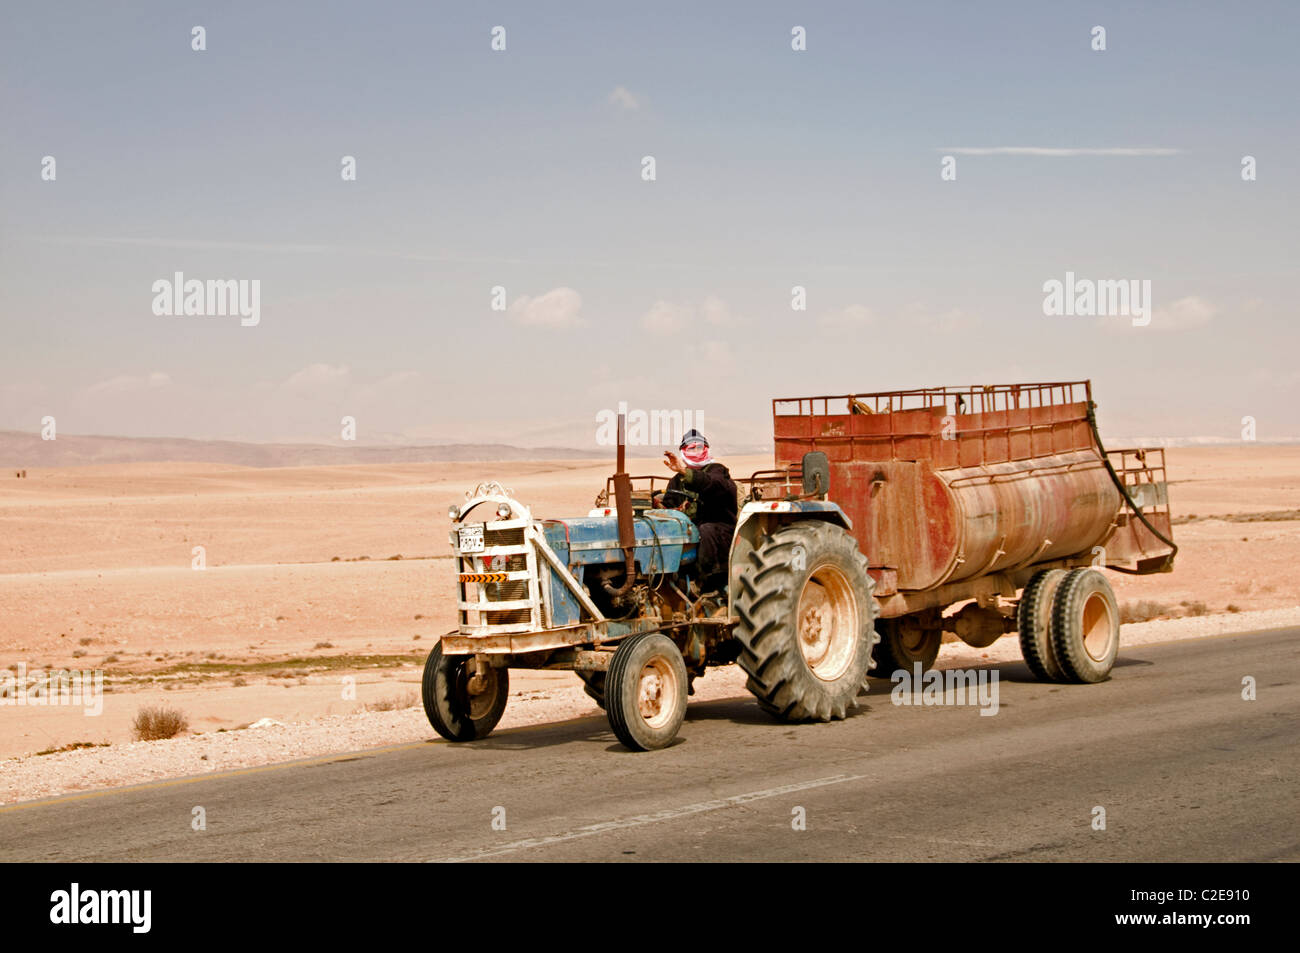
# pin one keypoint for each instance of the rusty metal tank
(950, 484)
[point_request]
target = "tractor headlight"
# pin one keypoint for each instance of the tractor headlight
(453, 511)
(503, 511)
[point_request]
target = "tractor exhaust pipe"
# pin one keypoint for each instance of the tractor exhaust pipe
(623, 505)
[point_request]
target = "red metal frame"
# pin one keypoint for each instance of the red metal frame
(949, 426)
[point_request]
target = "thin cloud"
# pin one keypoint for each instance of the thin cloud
(1055, 152)
(556, 309)
(127, 383)
(287, 248)
(316, 376)
(854, 317)
(671, 317)
(624, 99)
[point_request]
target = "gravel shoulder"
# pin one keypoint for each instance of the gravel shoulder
(536, 698)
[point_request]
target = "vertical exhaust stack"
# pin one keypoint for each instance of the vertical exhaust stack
(623, 505)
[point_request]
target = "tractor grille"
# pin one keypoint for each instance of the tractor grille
(503, 537)
(511, 590)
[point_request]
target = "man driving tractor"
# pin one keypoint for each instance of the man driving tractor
(704, 491)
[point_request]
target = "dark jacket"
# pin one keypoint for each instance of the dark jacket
(713, 494)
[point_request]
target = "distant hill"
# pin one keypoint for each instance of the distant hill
(18, 450)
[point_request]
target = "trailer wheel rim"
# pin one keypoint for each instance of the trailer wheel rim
(1098, 624)
(913, 639)
(656, 692)
(828, 623)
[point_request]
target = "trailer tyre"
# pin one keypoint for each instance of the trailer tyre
(452, 710)
(1034, 624)
(645, 691)
(806, 622)
(1085, 626)
(902, 647)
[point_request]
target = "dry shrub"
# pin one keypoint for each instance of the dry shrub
(396, 703)
(1142, 611)
(155, 722)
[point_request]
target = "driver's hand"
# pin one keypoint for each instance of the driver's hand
(673, 462)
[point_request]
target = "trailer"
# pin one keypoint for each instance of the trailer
(887, 519)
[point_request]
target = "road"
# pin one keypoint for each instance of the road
(1184, 768)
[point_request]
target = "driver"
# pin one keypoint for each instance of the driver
(709, 496)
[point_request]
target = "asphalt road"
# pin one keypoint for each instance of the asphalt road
(1185, 769)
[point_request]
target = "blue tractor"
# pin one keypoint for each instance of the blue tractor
(614, 597)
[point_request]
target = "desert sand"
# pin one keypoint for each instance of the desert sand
(314, 573)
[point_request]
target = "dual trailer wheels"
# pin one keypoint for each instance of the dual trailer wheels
(1069, 625)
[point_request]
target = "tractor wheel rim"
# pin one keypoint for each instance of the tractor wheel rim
(480, 704)
(1098, 624)
(656, 692)
(827, 623)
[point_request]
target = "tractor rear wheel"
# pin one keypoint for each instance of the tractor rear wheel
(902, 645)
(645, 691)
(1085, 626)
(455, 712)
(806, 622)
(1034, 624)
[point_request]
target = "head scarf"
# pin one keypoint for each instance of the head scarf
(695, 450)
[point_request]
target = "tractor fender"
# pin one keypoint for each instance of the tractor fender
(760, 518)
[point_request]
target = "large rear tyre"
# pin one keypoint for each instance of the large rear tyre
(454, 712)
(806, 622)
(1034, 624)
(1085, 626)
(645, 691)
(902, 646)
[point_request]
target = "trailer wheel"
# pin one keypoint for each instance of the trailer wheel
(593, 683)
(645, 691)
(452, 710)
(1085, 626)
(806, 622)
(903, 646)
(1034, 624)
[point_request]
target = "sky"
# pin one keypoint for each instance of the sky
(523, 169)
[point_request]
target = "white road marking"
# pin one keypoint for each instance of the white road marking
(638, 820)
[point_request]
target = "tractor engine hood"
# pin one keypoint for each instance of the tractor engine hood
(665, 539)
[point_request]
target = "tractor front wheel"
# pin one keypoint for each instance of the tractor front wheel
(455, 712)
(645, 691)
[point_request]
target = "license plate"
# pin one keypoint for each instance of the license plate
(469, 538)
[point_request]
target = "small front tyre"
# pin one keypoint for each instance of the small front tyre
(455, 712)
(645, 691)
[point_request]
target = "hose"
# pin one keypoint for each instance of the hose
(1123, 491)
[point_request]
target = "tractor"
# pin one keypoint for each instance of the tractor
(889, 518)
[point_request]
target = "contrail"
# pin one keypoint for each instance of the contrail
(1049, 151)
